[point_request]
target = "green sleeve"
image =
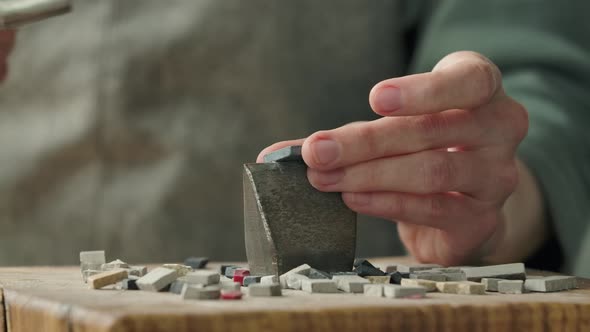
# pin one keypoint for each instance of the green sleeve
(543, 50)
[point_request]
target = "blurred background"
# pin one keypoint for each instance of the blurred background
(124, 124)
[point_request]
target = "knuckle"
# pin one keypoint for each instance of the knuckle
(508, 178)
(435, 208)
(367, 136)
(430, 127)
(396, 208)
(512, 119)
(519, 121)
(438, 173)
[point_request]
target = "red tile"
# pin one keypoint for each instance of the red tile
(231, 295)
(239, 275)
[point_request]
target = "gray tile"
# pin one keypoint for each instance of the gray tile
(398, 292)
(350, 283)
(192, 292)
(158, 279)
(514, 271)
(203, 277)
(319, 286)
(550, 284)
(289, 153)
(491, 284)
(511, 286)
(263, 290)
(404, 268)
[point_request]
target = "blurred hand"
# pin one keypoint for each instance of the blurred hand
(7, 38)
(441, 161)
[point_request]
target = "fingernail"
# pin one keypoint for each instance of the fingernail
(328, 178)
(388, 99)
(325, 151)
(358, 198)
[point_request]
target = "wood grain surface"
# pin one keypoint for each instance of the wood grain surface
(56, 299)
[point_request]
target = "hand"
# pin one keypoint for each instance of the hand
(441, 161)
(7, 38)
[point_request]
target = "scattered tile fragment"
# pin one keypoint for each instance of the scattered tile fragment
(357, 262)
(289, 153)
(268, 280)
(350, 283)
(239, 275)
(116, 264)
(390, 269)
(491, 284)
(229, 271)
(106, 278)
(374, 290)
(228, 284)
(514, 271)
(428, 275)
(294, 280)
(428, 284)
(180, 269)
(177, 285)
(398, 292)
(223, 269)
(203, 277)
(91, 260)
(137, 270)
(471, 288)
(88, 273)
(345, 273)
(446, 269)
(455, 276)
(262, 290)
(379, 279)
(231, 295)
(550, 284)
(157, 279)
(511, 286)
(250, 280)
(302, 269)
(192, 292)
(364, 268)
(410, 268)
(319, 286)
(450, 273)
(396, 277)
(129, 284)
(197, 262)
(449, 287)
(317, 274)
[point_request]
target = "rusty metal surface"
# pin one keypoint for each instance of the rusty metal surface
(289, 223)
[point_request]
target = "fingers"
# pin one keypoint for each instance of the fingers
(482, 176)
(463, 80)
(445, 211)
(497, 123)
(391, 136)
(277, 146)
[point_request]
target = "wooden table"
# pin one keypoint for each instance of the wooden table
(55, 299)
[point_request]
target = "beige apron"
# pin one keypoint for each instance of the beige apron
(124, 125)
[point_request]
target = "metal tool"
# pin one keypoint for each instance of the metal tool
(15, 13)
(288, 222)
